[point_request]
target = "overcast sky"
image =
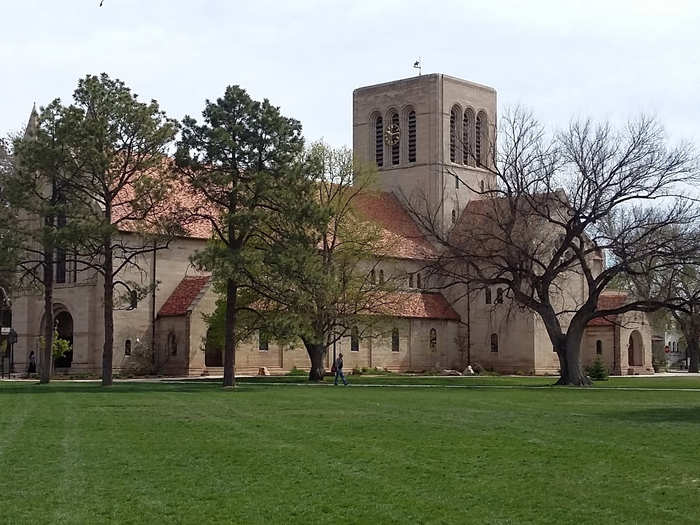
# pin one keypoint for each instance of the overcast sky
(605, 59)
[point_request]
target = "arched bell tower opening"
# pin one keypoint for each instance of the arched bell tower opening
(429, 138)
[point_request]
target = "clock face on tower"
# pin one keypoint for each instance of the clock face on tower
(392, 134)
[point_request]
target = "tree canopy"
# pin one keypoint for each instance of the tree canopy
(589, 204)
(239, 166)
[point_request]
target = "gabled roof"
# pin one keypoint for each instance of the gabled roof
(184, 297)
(608, 301)
(179, 199)
(419, 305)
(400, 235)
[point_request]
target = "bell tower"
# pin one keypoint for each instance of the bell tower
(430, 137)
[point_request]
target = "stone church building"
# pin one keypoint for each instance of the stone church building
(417, 132)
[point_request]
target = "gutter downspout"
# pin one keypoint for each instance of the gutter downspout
(153, 305)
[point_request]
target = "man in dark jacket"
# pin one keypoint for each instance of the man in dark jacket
(339, 370)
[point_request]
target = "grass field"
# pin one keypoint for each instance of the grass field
(192, 453)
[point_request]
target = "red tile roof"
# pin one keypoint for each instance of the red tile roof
(180, 198)
(608, 301)
(419, 305)
(400, 235)
(183, 296)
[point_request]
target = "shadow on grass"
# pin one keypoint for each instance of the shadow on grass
(687, 414)
(117, 388)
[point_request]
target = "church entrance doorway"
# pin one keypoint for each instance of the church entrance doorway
(635, 349)
(212, 352)
(64, 327)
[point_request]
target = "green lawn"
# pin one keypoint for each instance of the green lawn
(192, 453)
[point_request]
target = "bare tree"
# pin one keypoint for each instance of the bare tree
(321, 255)
(587, 204)
(681, 282)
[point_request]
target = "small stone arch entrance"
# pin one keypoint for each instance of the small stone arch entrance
(64, 327)
(63, 324)
(635, 349)
(212, 352)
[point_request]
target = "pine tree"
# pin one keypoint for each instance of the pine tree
(237, 164)
(120, 175)
(37, 230)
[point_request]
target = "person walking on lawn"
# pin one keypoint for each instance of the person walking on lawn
(339, 370)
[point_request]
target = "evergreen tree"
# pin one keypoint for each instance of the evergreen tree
(120, 175)
(37, 231)
(239, 164)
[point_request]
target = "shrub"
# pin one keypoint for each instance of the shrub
(597, 371)
(375, 371)
(659, 364)
(297, 372)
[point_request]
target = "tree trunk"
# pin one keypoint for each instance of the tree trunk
(317, 353)
(690, 325)
(569, 352)
(108, 348)
(47, 329)
(230, 344)
(693, 350)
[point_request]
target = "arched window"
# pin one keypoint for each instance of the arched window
(410, 280)
(379, 141)
(172, 343)
(395, 146)
(418, 283)
(127, 347)
(395, 340)
(454, 216)
(481, 186)
(499, 295)
(411, 136)
(75, 266)
(453, 134)
(487, 294)
(456, 182)
(354, 339)
(467, 137)
(494, 342)
(433, 339)
(263, 341)
(61, 265)
(373, 276)
(599, 347)
(477, 139)
(381, 276)
(675, 347)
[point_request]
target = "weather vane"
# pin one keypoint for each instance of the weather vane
(417, 65)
